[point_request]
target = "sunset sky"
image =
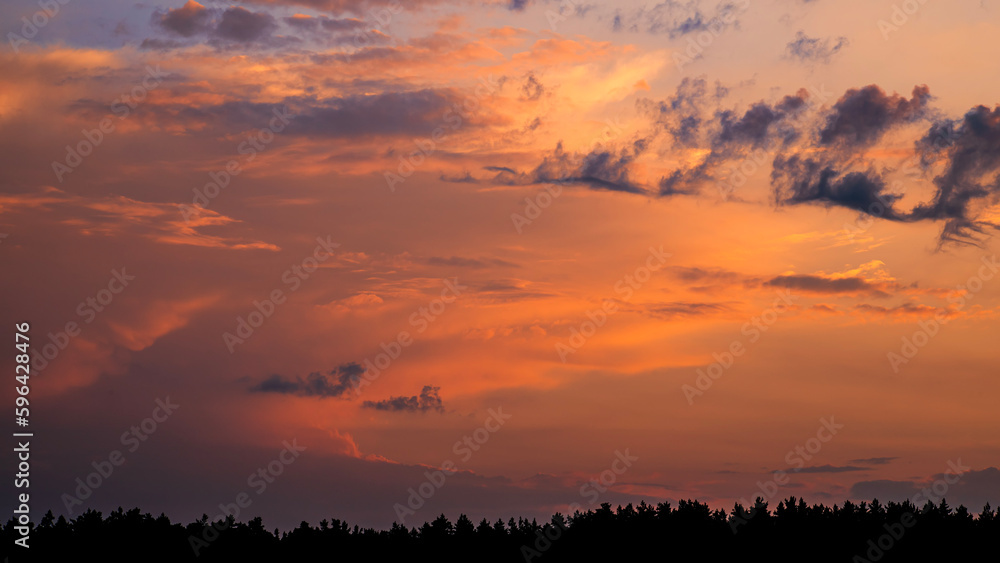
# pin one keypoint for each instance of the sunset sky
(700, 233)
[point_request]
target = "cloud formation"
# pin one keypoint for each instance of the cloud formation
(235, 24)
(334, 383)
(813, 49)
(428, 400)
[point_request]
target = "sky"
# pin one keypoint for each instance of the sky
(380, 261)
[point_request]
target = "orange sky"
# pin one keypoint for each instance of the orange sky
(659, 188)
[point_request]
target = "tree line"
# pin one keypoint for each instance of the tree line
(792, 531)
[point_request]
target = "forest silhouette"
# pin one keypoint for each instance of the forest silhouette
(792, 531)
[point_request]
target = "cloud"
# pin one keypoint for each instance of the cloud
(874, 460)
(508, 291)
(460, 262)
(241, 25)
(415, 112)
(817, 283)
(601, 169)
(676, 19)
(710, 278)
(680, 116)
(906, 310)
(797, 179)
(863, 115)
(532, 89)
(857, 120)
(235, 24)
(358, 303)
(186, 21)
(967, 150)
(686, 309)
(814, 50)
(403, 113)
(973, 489)
(119, 216)
(428, 400)
(884, 489)
(303, 22)
(728, 135)
(829, 469)
(334, 383)
(970, 150)
(754, 128)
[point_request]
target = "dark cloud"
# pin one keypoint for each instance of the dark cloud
(899, 310)
(532, 89)
(676, 19)
(810, 49)
(334, 383)
(465, 178)
(428, 400)
(874, 460)
(407, 113)
(460, 262)
(221, 27)
(241, 25)
(416, 112)
(317, 23)
(970, 149)
(756, 127)
(681, 118)
(189, 20)
(797, 179)
(681, 115)
(686, 309)
(155, 44)
(884, 489)
(508, 291)
(730, 135)
(811, 283)
(825, 165)
(370, 8)
(829, 469)
(682, 182)
(601, 169)
(862, 116)
(829, 175)
(505, 169)
(967, 150)
(973, 489)
(707, 275)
